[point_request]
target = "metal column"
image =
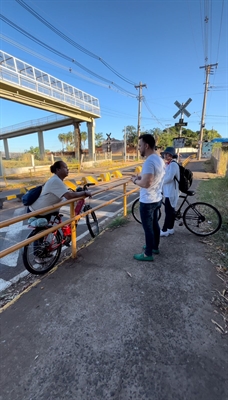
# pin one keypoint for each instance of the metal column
(91, 139)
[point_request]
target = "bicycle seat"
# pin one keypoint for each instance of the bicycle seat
(190, 193)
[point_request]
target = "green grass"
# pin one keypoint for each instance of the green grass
(118, 222)
(215, 192)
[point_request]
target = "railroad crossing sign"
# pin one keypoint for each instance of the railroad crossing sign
(182, 108)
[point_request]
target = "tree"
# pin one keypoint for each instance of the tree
(36, 152)
(131, 135)
(84, 137)
(99, 139)
(156, 133)
(70, 138)
(165, 140)
(62, 139)
(210, 134)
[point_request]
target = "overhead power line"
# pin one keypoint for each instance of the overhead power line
(58, 53)
(71, 41)
(145, 102)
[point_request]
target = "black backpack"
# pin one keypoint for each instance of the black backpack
(186, 178)
(31, 195)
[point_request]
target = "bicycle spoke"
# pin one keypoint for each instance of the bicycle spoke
(40, 256)
(92, 224)
(202, 219)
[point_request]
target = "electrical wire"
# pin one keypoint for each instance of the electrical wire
(71, 41)
(192, 30)
(220, 30)
(145, 102)
(201, 19)
(62, 55)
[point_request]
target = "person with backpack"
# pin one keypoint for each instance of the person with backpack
(170, 190)
(54, 190)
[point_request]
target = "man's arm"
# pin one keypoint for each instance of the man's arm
(143, 181)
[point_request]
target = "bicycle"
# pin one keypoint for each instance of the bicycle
(202, 219)
(40, 256)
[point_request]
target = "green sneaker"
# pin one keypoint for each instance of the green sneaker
(143, 257)
(153, 251)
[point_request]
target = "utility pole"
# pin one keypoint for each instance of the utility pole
(125, 145)
(209, 70)
(140, 86)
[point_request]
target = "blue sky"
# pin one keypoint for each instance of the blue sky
(160, 43)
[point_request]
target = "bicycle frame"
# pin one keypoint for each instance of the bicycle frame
(178, 214)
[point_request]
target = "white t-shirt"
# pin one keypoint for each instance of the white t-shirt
(52, 193)
(156, 166)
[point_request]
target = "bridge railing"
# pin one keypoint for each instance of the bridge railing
(25, 75)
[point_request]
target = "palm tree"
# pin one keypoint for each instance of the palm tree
(99, 139)
(61, 138)
(84, 137)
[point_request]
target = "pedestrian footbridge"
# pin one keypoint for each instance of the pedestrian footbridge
(22, 83)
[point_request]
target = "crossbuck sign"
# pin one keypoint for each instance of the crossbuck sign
(182, 108)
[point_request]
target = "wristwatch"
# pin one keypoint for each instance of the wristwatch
(135, 180)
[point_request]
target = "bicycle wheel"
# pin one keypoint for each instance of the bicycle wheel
(136, 211)
(202, 219)
(92, 222)
(40, 256)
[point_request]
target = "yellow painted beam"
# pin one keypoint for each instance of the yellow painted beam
(34, 99)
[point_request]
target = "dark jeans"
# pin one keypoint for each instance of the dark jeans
(149, 217)
(169, 216)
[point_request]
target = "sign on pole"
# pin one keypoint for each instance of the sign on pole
(179, 142)
(182, 108)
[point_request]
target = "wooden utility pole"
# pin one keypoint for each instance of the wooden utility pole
(140, 86)
(209, 70)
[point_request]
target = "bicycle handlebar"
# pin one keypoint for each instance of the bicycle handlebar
(87, 185)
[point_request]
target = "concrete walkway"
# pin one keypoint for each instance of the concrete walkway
(105, 326)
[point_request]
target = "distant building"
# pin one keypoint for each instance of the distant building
(207, 146)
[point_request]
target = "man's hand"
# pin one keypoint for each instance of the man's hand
(135, 177)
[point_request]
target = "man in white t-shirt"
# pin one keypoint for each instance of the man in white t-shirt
(150, 182)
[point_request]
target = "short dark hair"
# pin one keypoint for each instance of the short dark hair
(149, 139)
(55, 166)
